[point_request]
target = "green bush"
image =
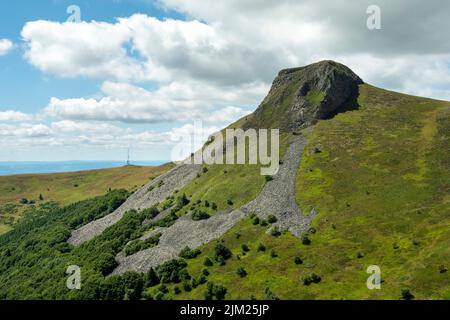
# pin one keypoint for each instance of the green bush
(200, 215)
(406, 294)
(207, 262)
(272, 219)
(275, 232)
(298, 260)
(241, 272)
(311, 278)
(221, 252)
(188, 253)
(261, 247)
(216, 291)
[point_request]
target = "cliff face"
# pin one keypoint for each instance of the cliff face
(301, 96)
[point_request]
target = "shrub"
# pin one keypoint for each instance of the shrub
(245, 248)
(442, 269)
(306, 240)
(152, 278)
(241, 272)
(215, 291)
(188, 253)
(182, 201)
(298, 260)
(176, 290)
(41, 197)
(205, 169)
(273, 254)
(263, 223)
(202, 279)
(207, 262)
(261, 247)
(230, 202)
(406, 294)
(200, 215)
(220, 251)
(275, 232)
(24, 201)
(255, 221)
(206, 203)
(268, 178)
(272, 219)
(170, 271)
(205, 272)
(311, 278)
(214, 206)
(187, 286)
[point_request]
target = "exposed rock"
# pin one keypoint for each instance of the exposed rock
(152, 193)
(301, 96)
(277, 198)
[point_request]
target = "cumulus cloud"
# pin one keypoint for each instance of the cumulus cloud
(5, 46)
(14, 116)
(218, 63)
(174, 102)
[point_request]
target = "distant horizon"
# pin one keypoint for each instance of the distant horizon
(8, 168)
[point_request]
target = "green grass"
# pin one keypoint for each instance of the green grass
(238, 183)
(380, 183)
(381, 179)
(315, 98)
(66, 188)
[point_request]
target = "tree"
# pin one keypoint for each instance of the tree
(41, 197)
(272, 219)
(188, 253)
(152, 278)
(215, 291)
(245, 248)
(298, 260)
(220, 251)
(207, 262)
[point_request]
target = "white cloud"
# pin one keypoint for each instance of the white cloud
(14, 116)
(94, 49)
(5, 46)
(174, 102)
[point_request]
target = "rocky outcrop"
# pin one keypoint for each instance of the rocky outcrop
(301, 96)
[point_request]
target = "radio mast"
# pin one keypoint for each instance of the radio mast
(128, 157)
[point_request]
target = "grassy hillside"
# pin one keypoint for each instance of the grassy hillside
(66, 188)
(379, 178)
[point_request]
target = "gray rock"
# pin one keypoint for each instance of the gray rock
(147, 196)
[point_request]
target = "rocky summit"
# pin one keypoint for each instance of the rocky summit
(301, 96)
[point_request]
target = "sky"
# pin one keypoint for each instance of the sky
(139, 74)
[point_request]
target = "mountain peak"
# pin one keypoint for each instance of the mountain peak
(301, 96)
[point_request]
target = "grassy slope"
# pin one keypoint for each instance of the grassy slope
(60, 187)
(381, 180)
(238, 183)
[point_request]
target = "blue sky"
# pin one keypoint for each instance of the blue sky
(138, 73)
